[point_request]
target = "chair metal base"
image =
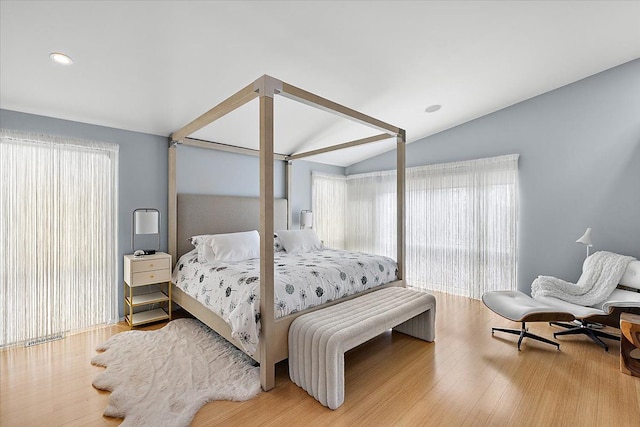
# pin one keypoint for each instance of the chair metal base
(584, 328)
(524, 332)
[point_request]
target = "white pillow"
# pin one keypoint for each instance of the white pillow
(299, 240)
(234, 247)
(277, 246)
(203, 245)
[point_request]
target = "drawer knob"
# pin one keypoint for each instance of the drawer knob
(152, 276)
(150, 265)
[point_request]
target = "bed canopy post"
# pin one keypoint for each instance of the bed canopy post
(172, 208)
(267, 87)
(288, 183)
(400, 191)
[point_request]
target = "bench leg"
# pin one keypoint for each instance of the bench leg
(524, 333)
(422, 326)
(333, 387)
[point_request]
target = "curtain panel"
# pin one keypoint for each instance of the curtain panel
(58, 236)
(462, 226)
(461, 222)
(328, 203)
(371, 213)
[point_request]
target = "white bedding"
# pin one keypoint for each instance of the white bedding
(302, 280)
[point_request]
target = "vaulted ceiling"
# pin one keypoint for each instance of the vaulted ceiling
(153, 66)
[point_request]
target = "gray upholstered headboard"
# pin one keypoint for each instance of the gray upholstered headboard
(209, 214)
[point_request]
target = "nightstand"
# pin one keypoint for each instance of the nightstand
(141, 271)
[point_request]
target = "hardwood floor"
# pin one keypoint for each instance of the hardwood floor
(466, 377)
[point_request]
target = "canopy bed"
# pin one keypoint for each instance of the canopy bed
(226, 214)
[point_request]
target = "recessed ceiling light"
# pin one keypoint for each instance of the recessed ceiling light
(60, 58)
(433, 108)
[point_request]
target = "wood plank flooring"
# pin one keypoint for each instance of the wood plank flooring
(465, 378)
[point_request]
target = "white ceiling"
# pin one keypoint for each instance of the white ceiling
(153, 66)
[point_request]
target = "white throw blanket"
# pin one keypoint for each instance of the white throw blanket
(601, 274)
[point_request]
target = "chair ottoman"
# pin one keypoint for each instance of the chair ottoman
(519, 307)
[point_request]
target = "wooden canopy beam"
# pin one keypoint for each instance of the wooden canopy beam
(236, 100)
(192, 142)
(357, 142)
(269, 86)
(308, 98)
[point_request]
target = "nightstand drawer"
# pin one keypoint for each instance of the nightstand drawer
(149, 277)
(150, 265)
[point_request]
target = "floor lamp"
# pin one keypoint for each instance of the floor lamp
(585, 239)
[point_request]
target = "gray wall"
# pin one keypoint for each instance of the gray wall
(205, 171)
(579, 167)
(142, 178)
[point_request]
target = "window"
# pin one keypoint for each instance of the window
(371, 213)
(461, 223)
(461, 226)
(58, 207)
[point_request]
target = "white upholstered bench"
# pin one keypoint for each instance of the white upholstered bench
(318, 340)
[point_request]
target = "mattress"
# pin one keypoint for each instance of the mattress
(302, 281)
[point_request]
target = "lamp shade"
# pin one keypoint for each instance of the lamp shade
(585, 239)
(306, 219)
(146, 221)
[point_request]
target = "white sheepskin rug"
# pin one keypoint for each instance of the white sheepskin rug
(163, 377)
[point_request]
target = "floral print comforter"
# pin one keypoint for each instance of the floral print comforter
(303, 280)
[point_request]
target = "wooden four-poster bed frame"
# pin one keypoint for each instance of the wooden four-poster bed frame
(273, 335)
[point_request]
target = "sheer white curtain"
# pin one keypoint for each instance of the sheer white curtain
(329, 196)
(461, 226)
(371, 213)
(58, 236)
(461, 222)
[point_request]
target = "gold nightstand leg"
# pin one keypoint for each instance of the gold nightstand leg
(130, 307)
(169, 286)
(124, 299)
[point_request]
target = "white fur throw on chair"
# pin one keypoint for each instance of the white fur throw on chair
(600, 276)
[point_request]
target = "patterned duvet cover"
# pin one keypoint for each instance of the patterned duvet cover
(303, 280)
